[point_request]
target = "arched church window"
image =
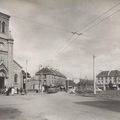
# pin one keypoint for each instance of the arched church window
(3, 27)
(15, 78)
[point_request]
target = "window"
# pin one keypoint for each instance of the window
(15, 78)
(3, 27)
(45, 76)
(98, 81)
(1, 44)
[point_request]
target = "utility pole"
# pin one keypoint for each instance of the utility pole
(94, 79)
(39, 77)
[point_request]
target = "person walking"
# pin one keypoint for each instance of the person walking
(12, 91)
(17, 91)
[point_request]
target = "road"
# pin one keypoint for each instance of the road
(58, 106)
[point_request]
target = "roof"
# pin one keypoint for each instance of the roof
(4, 15)
(47, 71)
(103, 74)
(17, 63)
(3, 66)
(57, 73)
(112, 73)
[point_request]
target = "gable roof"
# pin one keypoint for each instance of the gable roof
(47, 71)
(3, 69)
(103, 74)
(2, 66)
(114, 73)
(4, 15)
(57, 73)
(17, 64)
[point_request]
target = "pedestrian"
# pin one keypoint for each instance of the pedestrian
(43, 88)
(21, 90)
(12, 91)
(17, 91)
(8, 91)
(36, 91)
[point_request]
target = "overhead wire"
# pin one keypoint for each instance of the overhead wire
(104, 13)
(87, 31)
(93, 25)
(84, 29)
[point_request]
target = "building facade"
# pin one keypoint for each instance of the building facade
(85, 85)
(106, 78)
(10, 70)
(47, 76)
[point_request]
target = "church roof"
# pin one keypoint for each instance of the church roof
(2, 66)
(4, 15)
(17, 64)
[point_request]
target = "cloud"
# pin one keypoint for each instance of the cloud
(41, 28)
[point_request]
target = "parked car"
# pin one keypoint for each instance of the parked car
(52, 89)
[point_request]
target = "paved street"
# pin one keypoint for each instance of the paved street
(59, 106)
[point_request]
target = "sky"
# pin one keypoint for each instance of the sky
(42, 32)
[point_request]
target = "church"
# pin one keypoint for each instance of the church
(10, 70)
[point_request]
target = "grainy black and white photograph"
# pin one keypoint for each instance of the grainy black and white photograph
(59, 59)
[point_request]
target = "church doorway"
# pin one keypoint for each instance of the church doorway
(2, 85)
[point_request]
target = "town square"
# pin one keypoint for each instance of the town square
(59, 60)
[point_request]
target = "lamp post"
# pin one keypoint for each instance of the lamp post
(94, 79)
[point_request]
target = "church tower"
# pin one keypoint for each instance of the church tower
(6, 52)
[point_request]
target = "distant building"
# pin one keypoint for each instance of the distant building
(10, 70)
(47, 76)
(70, 83)
(105, 78)
(26, 78)
(85, 85)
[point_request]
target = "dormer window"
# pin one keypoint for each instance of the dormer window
(3, 27)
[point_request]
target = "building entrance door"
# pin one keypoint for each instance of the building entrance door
(1, 82)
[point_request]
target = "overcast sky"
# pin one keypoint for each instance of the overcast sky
(42, 30)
